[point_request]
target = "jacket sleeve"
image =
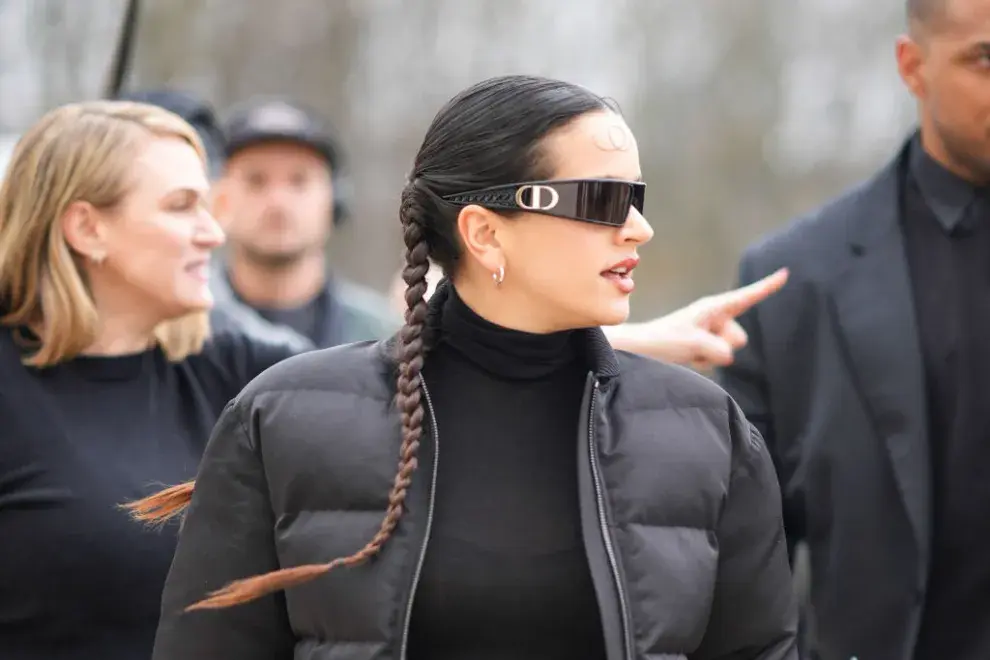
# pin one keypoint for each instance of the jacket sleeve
(227, 534)
(754, 611)
(746, 381)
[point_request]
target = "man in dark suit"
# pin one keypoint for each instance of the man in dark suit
(869, 374)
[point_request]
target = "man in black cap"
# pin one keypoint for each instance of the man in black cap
(281, 193)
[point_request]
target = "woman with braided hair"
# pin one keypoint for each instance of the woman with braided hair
(586, 503)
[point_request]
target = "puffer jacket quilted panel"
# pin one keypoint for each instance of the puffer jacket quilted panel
(299, 470)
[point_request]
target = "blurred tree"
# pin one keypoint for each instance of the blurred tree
(746, 113)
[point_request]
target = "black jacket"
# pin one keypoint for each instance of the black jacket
(833, 377)
(679, 502)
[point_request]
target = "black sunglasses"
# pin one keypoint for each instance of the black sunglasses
(600, 201)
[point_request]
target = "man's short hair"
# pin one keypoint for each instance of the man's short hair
(925, 13)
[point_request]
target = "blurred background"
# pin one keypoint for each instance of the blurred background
(747, 112)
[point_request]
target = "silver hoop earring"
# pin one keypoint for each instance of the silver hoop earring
(499, 276)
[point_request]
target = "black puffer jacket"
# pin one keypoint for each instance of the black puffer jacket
(679, 503)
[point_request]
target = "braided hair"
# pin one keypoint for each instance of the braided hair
(491, 134)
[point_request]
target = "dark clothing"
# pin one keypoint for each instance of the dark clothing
(946, 224)
(677, 498)
(506, 576)
(834, 378)
(343, 312)
(80, 580)
(261, 120)
(307, 320)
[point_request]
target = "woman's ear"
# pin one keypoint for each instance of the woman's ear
(479, 229)
(84, 230)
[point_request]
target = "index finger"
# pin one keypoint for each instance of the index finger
(735, 302)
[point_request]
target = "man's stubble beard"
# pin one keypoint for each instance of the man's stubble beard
(963, 153)
(277, 259)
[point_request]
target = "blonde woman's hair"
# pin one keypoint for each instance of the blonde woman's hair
(78, 152)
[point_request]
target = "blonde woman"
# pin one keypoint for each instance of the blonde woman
(109, 384)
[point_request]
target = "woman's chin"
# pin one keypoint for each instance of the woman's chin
(201, 301)
(615, 312)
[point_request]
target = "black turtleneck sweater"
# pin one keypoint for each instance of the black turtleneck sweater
(80, 580)
(505, 575)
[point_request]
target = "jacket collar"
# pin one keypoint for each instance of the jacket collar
(333, 326)
(948, 195)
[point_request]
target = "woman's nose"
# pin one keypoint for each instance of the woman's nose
(636, 230)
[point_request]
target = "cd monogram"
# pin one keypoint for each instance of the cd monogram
(537, 198)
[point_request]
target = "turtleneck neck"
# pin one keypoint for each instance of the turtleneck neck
(508, 354)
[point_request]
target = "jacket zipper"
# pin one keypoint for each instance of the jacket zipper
(603, 522)
(404, 647)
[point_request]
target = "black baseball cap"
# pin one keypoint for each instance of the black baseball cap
(279, 120)
(196, 111)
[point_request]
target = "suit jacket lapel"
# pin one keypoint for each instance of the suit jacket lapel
(874, 307)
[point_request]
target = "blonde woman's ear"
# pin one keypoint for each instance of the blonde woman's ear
(83, 230)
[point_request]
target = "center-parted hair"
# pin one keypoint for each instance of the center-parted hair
(488, 135)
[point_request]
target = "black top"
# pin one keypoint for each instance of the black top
(79, 580)
(308, 319)
(505, 575)
(947, 230)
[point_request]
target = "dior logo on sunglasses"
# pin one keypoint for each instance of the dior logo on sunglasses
(535, 197)
(599, 201)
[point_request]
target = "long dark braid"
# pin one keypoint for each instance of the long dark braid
(409, 401)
